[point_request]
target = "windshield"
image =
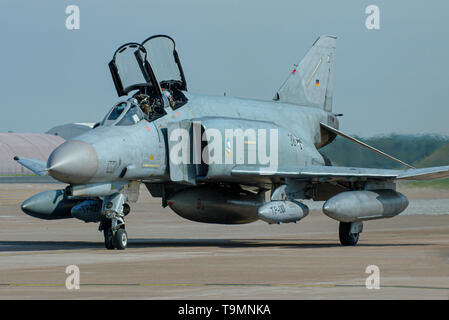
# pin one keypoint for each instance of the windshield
(117, 111)
(132, 116)
(124, 113)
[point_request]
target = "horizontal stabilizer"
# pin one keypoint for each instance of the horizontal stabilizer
(348, 137)
(39, 167)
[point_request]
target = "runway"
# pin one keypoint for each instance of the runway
(27, 179)
(172, 258)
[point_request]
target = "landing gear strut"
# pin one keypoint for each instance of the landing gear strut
(113, 227)
(349, 233)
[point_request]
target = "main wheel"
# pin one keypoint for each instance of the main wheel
(108, 239)
(120, 239)
(346, 237)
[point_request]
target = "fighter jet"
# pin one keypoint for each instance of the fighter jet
(215, 159)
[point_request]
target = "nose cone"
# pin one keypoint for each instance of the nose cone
(73, 161)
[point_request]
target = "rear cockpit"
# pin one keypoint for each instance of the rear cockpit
(151, 73)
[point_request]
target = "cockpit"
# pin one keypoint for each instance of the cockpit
(151, 75)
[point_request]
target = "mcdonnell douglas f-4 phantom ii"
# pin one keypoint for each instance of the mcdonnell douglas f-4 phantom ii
(215, 159)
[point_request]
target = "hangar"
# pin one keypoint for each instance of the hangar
(29, 145)
(34, 145)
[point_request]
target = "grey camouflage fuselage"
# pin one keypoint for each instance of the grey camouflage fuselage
(141, 147)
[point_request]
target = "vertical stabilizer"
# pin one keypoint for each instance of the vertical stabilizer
(311, 81)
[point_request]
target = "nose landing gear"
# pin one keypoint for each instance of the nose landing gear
(113, 227)
(114, 238)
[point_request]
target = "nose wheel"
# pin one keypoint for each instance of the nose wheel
(114, 239)
(108, 239)
(120, 239)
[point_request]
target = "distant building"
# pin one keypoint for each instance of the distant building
(27, 145)
(34, 145)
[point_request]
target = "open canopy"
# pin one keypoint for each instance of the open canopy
(131, 71)
(164, 61)
(147, 67)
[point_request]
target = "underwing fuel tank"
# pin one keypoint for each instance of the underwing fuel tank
(350, 206)
(283, 211)
(216, 205)
(49, 205)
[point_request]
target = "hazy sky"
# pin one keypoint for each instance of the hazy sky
(388, 80)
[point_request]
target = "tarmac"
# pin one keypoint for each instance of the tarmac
(169, 257)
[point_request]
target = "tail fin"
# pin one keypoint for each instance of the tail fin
(311, 81)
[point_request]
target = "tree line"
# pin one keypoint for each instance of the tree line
(412, 149)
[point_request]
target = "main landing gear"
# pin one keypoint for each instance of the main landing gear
(349, 233)
(115, 209)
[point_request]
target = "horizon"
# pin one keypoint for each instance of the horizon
(378, 135)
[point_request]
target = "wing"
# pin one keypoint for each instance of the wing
(39, 167)
(324, 173)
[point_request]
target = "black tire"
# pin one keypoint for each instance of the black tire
(126, 209)
(120, 239)
(108, 243)
(346, 237)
